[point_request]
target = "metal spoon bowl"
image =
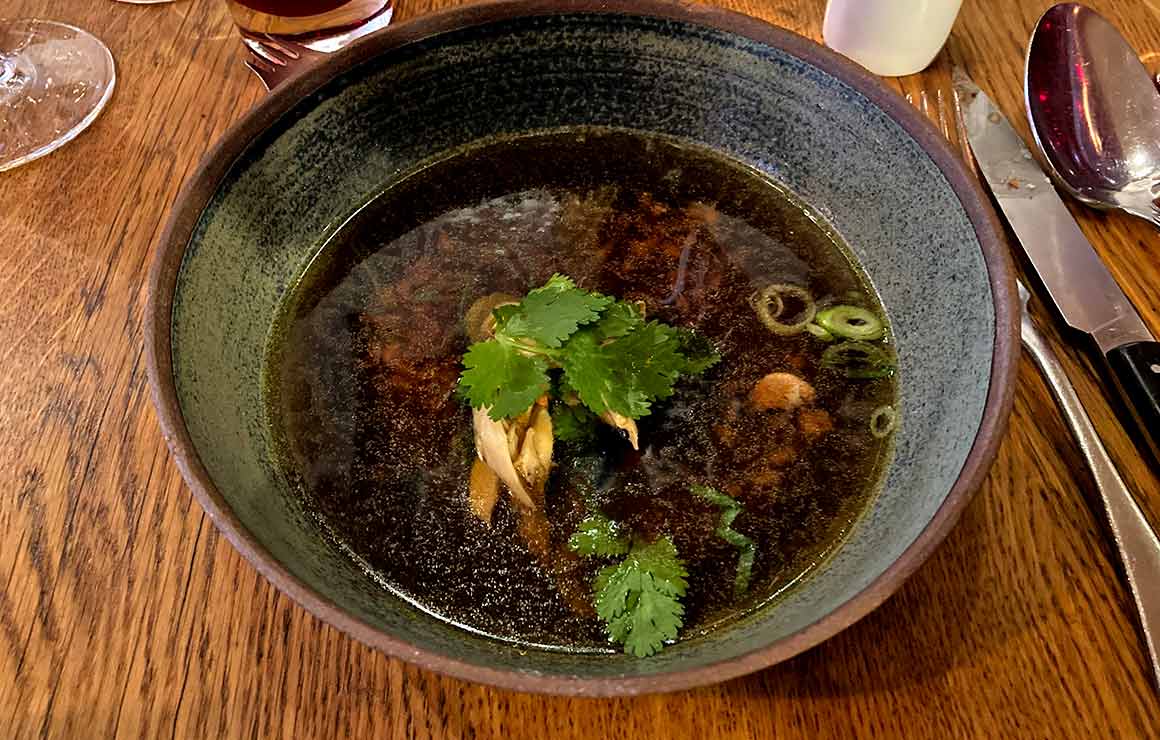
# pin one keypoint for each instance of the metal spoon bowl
(1094, 111)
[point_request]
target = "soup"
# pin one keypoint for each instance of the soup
(434, 382)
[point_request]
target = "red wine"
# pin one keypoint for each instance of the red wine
(292, 8)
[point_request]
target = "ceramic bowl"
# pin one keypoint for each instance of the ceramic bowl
(325, 143)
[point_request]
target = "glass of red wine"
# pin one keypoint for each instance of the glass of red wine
(319, 25)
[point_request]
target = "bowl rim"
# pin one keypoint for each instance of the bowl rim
(200, 188)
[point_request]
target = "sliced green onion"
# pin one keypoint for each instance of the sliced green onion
(851, 322)
(819, 333)
(770, 303)
(746, 548)
(859, 360)
(882, 421)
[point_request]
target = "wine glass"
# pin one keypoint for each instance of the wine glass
(54, 81)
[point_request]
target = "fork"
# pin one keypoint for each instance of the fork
(1135, 540)
(276, 60)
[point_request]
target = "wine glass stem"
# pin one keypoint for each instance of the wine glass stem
(16, 75)
(7, 69)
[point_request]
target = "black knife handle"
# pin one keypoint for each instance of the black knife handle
(1136, 368)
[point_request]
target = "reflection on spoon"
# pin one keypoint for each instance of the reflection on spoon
(1094, 111)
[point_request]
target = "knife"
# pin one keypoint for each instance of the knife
(1078, 282)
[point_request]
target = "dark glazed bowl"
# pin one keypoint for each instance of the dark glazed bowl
(294, 168)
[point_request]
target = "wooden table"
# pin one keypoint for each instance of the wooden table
(124, 613)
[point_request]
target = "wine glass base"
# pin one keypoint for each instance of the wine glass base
(332, 42)
(54, 81)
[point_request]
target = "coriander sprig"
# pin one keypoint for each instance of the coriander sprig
(607, 354)
(639, 597)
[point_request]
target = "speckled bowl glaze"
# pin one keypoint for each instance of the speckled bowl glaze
(294, 168)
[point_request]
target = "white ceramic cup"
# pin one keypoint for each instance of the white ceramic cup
(890, 37)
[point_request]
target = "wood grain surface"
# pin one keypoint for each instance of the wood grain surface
(124, 614)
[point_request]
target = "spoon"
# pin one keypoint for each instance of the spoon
(1094, 111)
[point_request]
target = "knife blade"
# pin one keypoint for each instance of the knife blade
(1077, 281)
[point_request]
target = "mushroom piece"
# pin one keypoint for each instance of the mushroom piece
(483, 491)
(518, 451)
(814, 423)
(537, 534)
(479, 320)
(781, 392)
(535, 452)
(491, 445)
(612, 418)
(625, 424)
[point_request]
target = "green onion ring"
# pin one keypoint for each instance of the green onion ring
(860, 360)
(769, 303)
(880, 429)
(819, 332)
(851, 322)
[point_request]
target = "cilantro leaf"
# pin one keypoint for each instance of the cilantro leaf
(643, 630)
(498, 376)
(625, 374)
(612, 359)
(619, 319)
(638, 598)
(573, 423)
(552, 313)
(588, 370)
(650, 359)
(598, 535)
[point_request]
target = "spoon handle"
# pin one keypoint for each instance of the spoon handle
(1136, 368)
(1136, 541)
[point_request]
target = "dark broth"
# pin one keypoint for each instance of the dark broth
(364, 360)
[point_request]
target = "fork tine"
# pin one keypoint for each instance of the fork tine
(274, 60)
(258, 64)
(293, 51)
(961, 130)
(255, 66)
(269, 69)
(945, 115)
(265, 52)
